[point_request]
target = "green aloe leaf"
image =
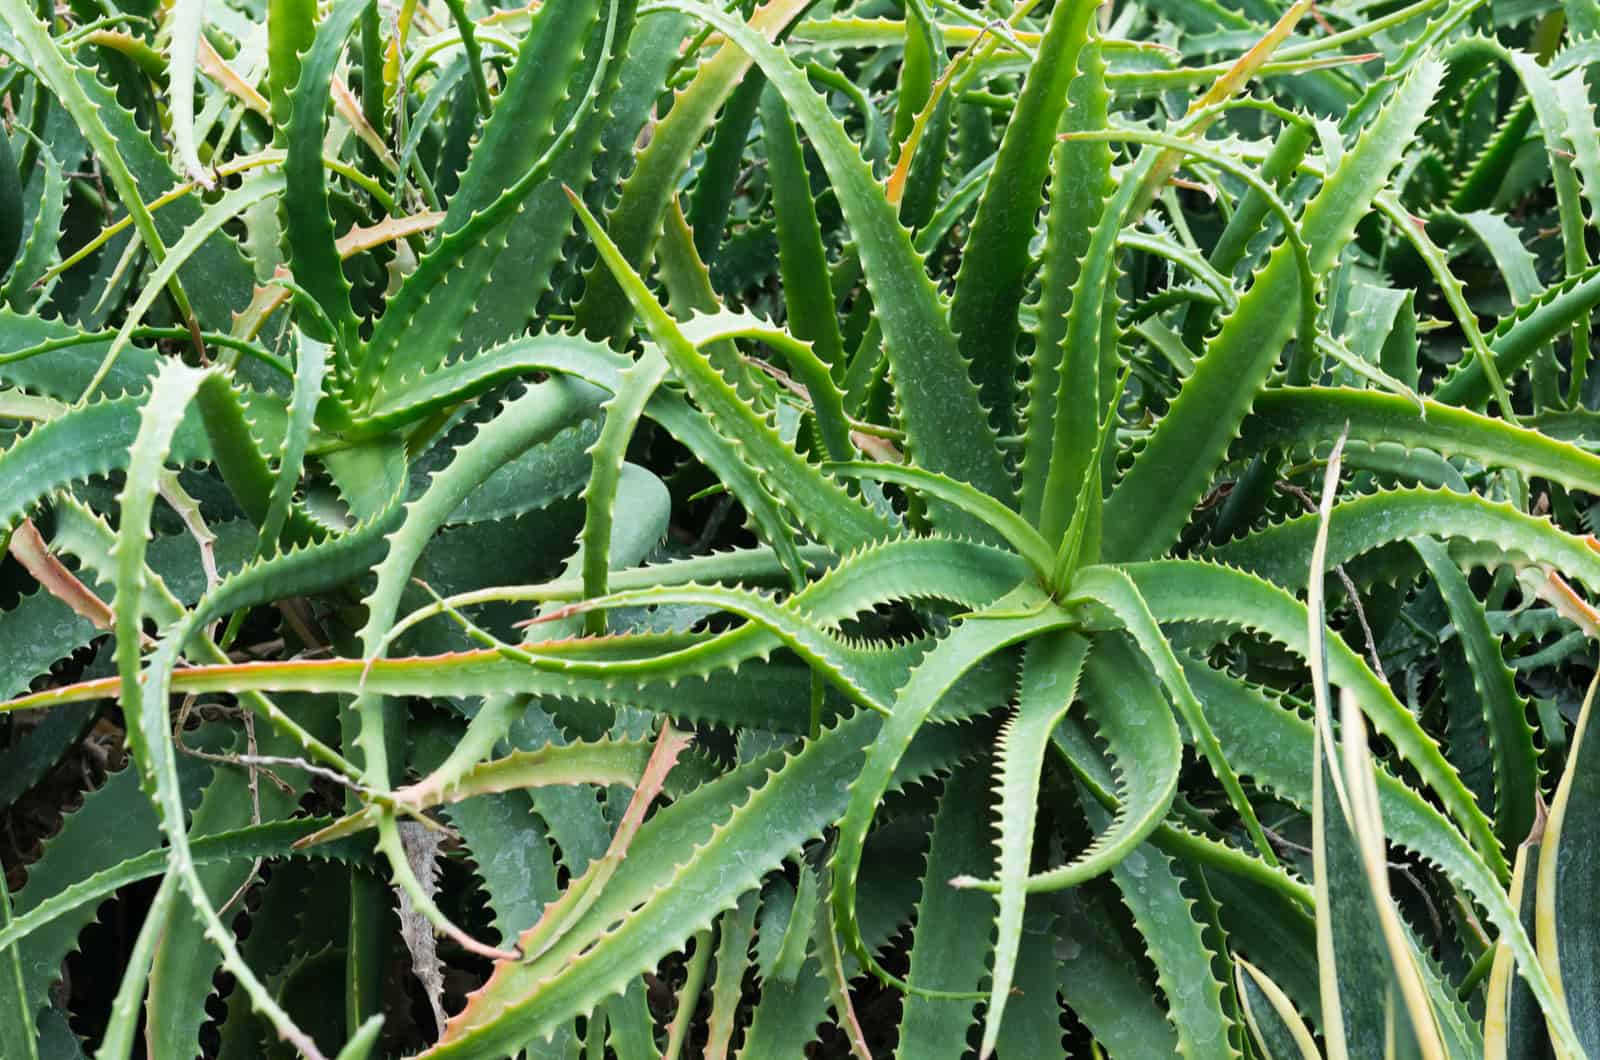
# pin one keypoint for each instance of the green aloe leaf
(849, 523)
(995, 260)
(802, 257)
(1505, 711)
(1049, 684)
(1019, 615)
(41, 247)
(137, 170)
(662, 899)
(1125, 709)
(1314, 416)
(308, 222)
(501, 233)
(1566, 878)
(113, 824)
(10, 206)
(1149, 506)
(1152, 889)
(1521, 334)
(641, 211)
(946, 427)
(942, 955)
(1488, 532)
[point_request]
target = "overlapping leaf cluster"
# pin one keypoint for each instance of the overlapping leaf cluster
(639, 529)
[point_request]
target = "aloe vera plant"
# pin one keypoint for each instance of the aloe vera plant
(659, 529)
